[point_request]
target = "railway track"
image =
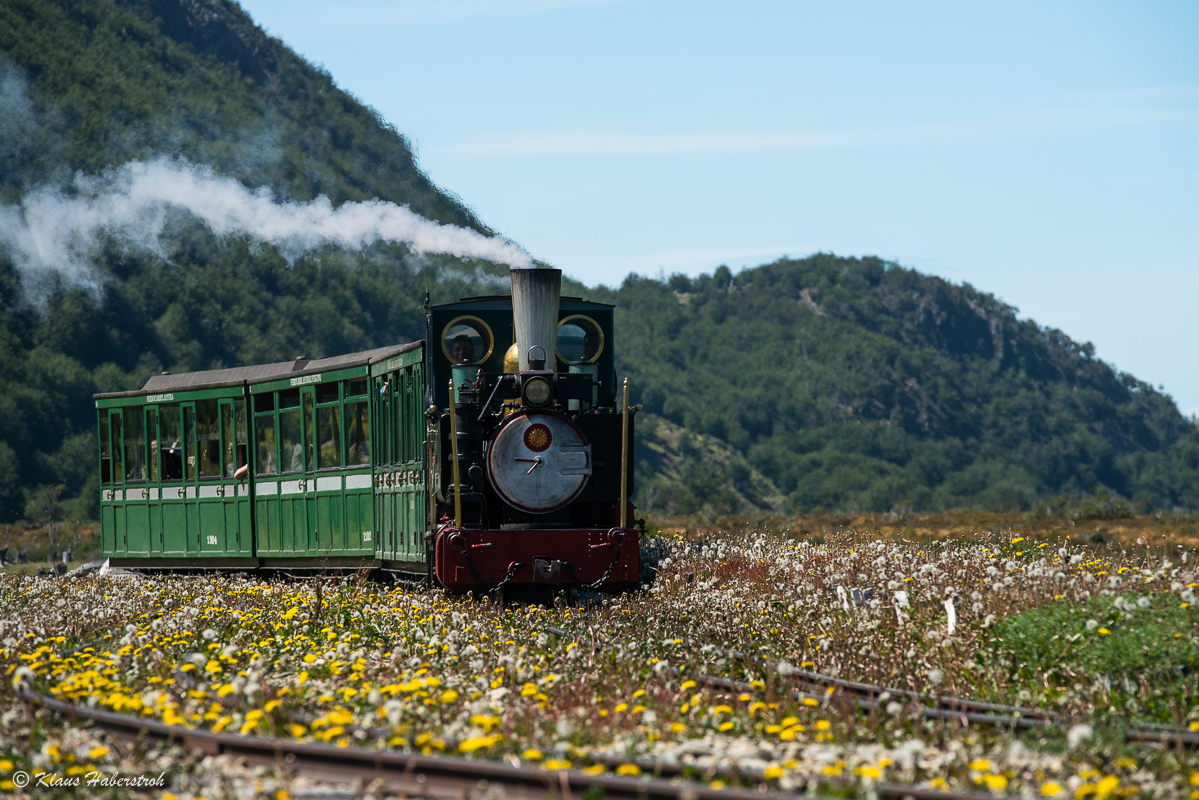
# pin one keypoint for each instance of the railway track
(439, 776)
(968, 712)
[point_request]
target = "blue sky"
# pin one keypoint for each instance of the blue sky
(1045, 152)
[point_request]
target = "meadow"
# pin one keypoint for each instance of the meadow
(1105, 637)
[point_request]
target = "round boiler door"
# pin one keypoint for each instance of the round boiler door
(538, 461)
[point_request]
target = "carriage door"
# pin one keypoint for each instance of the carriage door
(190, 484)
(153, 490)
(137, 490)
(173, 490)
(112, 475)
(315, 543)
(235, 492)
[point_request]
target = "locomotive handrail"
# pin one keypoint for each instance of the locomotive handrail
(454, 455)
(624, 456)
(496, 388)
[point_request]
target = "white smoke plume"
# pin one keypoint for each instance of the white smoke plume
(53, 231)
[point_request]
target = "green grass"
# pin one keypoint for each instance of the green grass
(1138, 660)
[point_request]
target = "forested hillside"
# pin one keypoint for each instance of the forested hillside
(87, 85)
(856, 384)
(824, 383)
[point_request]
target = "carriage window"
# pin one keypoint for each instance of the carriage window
(291, 443)
(328, 436)
(118, 471)
(268, 456)
(152, 434)
(105, 458)
(135, 445)
(382, 420)
(171, 443)
(358, 435)
(230, 454)
(467, 340)
(239, 431)
(580, 340)
(289, 398)
(264, 402)
(189, 439)
(327, 392)
(356, 388)
(309, 455)
(208, 438)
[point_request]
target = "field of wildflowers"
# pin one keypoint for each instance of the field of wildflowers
(1105, 641)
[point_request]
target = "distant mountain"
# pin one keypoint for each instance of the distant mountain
(824, 383)
(859, 385)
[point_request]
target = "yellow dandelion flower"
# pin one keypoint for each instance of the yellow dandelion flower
(995, 781)
(628, 769)
(981, 764)
(532, 754)
(479, 743)
(1049, 788)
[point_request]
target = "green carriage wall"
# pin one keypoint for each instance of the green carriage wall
(325, 515)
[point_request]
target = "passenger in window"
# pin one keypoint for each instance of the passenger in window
(462, 349)
(591, 345)
(297, 458)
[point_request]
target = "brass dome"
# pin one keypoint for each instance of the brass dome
(512, 360)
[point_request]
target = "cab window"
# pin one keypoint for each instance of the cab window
(467, 340)
(580, 340)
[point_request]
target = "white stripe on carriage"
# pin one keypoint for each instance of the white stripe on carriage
(358, 481)
(328, 484)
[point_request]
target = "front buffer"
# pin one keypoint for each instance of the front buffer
(484, 560)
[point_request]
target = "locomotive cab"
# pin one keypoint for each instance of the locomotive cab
(529, 436)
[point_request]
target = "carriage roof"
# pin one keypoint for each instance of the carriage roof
(237, 376)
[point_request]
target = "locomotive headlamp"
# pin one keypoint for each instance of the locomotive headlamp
(537, 391)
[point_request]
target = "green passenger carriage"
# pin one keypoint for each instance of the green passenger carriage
(289, 465)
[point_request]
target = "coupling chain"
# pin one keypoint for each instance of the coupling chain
(616, 543)
(470, 564)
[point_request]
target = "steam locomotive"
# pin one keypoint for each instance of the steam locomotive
(494, 455)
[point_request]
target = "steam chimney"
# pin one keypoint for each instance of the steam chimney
(535, 295)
